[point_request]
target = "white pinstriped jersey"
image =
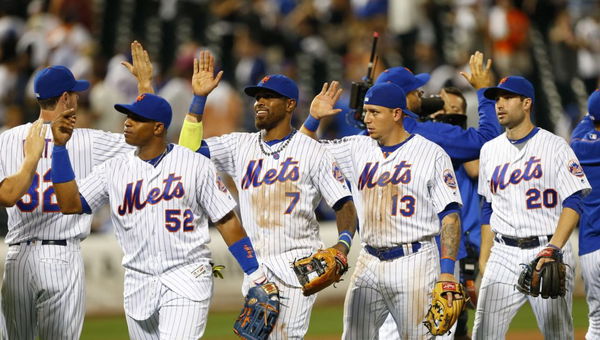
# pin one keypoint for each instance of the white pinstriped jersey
(37, 215)
(161, 217)
(527, 182)
(399, 196)
(278, 196)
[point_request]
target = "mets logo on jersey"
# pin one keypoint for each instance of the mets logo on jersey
(449, 179)
(337, 173)
(574, 168)
(221, 184)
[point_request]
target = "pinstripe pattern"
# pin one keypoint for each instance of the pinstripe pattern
(279, 217)
(397, 197)
(178, 318)
(389, 330)
(590, 268)
(526, 201)
(380, 226)
(38, 290)
(155, 254)
(499, 300)
(511, 215)
(400, 288)
(36, 278)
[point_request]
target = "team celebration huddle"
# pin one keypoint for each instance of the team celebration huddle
(432, 206)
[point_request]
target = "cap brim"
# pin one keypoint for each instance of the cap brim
(125, 109)
(80, 85)
(253, 90)
(493, 92)
(410, 113)
(423, 78)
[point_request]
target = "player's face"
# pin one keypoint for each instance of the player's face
(379, 121)
(270, 109)
(511, 109)
(139, 130)
(413, 100)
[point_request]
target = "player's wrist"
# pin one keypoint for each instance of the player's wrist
(345, 240)
(258, 277)
(447, 265)
(311, 123)
(197, 105)
(62, 171)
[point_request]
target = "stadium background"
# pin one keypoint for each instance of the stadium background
(554, 43)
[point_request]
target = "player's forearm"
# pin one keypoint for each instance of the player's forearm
(15, 186)
(347, 220)
(450, 236)
(230, 228)
(311, 134)
(472, 168)
(566, 223)
(487, 240)
(67, 196)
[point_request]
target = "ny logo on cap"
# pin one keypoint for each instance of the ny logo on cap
(265, 79)
(406, 68)
(503, 80)
(140, 97)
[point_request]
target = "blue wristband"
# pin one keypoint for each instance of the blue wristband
(311, 123)
(345, 238)
(197, 105)
(447, 266)
(62, 171)
(244, 253)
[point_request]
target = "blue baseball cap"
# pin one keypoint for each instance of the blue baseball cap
(55, 80)
(387, 95)
(277, 83)
(594, 105)
(404, 78)
(149, 106)
(512, 84)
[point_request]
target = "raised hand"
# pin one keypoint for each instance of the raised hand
(204, 80)
(63, 126)
(322, 104)
(35, 141)
(141, 67)
(480, 76)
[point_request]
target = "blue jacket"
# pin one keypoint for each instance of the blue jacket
(585, 141)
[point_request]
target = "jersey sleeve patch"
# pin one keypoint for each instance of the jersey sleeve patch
(221, 184)
(337, 173)
(449, 179)
(574, 168)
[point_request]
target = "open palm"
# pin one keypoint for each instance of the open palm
(204, 79)
(322, 104)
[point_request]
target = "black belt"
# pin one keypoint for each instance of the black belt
(386, 254)
(44, 242)
(523, 243)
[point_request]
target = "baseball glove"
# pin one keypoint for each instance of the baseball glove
(259, 314)
(320, 270)
(550, 281)
(440, 318)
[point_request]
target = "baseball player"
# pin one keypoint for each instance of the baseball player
(471, 139)
(585, 142)
(14, 186)
(161, 197)
(281, 176)
(403, 185)
(43, 287)
(533, 185)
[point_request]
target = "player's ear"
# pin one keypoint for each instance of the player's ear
(290, 105)
(527, 104)
(397, 114)
(159, 129)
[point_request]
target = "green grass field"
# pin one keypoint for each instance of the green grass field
(326, 323)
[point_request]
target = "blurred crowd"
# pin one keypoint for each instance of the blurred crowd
(555, 43)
